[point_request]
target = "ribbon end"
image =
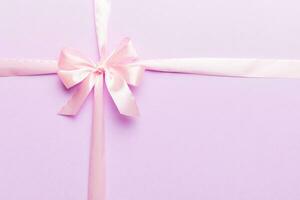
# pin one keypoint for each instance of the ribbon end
(132, 112)
(67, 111)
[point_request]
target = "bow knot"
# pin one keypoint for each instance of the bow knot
(118, 70)
(99, 69)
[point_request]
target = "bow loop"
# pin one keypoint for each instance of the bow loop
(71, 59)
(125, 53)
(73, 67)
(121, 60)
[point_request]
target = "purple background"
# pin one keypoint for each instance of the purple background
(197, 138)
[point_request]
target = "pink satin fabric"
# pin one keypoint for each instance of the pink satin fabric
(120, 69)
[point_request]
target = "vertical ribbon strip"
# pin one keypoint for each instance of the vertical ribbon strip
(96, 184)
(96, 180)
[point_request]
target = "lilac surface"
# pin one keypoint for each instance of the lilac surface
(197, 138)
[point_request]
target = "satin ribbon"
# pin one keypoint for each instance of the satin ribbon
(120, 69)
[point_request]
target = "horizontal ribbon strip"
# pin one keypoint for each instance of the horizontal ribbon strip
(243, 67)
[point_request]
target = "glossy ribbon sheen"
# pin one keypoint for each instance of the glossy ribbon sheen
(120, 69)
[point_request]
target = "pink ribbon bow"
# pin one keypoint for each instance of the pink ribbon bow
(76, 69)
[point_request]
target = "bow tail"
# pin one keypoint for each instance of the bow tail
(121, 94)
(96, 189)
(73, 106)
